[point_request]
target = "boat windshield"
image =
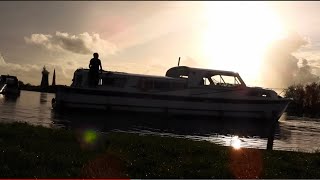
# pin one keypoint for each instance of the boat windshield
(222, 80)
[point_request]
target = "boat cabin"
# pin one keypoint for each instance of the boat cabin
(10, 81)
(9, 85)
(179, 77)
(206, 77)
(129, 81)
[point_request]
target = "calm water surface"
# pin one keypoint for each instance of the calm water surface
(292, 133)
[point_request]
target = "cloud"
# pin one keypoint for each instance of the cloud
(31, 73)
(304, 74)
(80, 44)
(25, 72)
(280, 67)
(188, 61)
(151, 66)
(2, 62)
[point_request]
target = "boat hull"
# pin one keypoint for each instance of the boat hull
(77, 98)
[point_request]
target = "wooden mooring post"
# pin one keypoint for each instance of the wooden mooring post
(271, 134)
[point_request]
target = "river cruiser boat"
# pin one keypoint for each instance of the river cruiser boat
(182, 91)
(9, 85)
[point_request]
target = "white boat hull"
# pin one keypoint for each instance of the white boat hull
(75, 98)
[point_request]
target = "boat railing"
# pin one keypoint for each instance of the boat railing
(2, 88)
(279, 91)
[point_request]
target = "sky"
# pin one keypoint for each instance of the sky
(271, 44)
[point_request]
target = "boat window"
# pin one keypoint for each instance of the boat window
(176, 85)
(145, 84)
(162, 85)
(10, 81)
(100, 82)
(78, 79)
(114, 81)
(120, 82)
(226, 81)
(206, 81)
(148, 84)
(108, 81)
(184, 77)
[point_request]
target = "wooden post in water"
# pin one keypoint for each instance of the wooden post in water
(271, 134)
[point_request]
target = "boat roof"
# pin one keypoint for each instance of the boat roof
(8, 76)
(133, 74)
(185, 70)
(142, 75)
(176, 72)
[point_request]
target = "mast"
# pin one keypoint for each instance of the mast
(54, 78)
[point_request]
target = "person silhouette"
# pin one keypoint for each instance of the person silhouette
(94, 65)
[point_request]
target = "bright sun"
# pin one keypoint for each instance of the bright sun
(237, 35)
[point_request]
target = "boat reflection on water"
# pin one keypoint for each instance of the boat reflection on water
(228, 132)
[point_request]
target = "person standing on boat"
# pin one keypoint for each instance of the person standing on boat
(94, 65)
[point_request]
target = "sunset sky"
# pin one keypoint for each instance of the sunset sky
(271, 44)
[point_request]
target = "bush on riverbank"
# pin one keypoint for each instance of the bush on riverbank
(306, 100)
(27, 152)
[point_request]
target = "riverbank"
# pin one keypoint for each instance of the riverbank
(36, 152)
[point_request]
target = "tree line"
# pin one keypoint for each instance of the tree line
(306, 99)
(38, 88)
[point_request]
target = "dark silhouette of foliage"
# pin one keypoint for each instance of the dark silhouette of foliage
(21, 83)
(38, 88)
(306, 99)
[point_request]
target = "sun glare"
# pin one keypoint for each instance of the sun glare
(235, 142)
(237, 35)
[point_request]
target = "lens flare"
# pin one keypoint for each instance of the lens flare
(90, 136)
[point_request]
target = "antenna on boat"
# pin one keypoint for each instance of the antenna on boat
(179, 61)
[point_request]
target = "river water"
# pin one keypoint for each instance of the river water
(292, 133)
